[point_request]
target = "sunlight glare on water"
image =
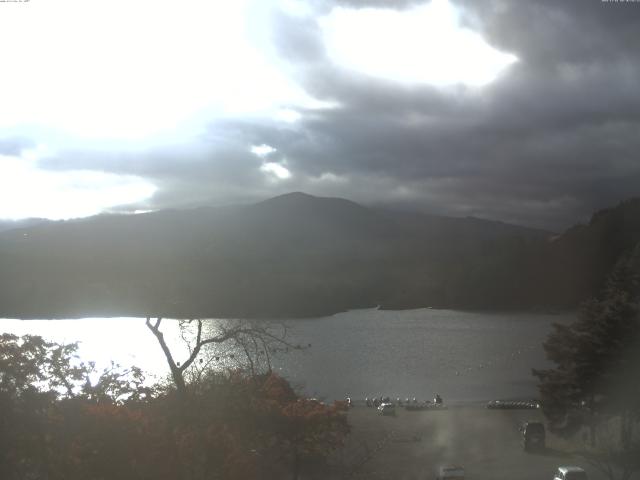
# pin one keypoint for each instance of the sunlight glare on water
(461, 355)
(126, 341)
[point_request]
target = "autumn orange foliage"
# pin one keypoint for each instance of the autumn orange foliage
(233, 426)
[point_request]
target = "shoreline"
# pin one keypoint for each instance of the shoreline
(310, 316)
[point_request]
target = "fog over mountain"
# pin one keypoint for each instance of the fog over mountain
(299, 255)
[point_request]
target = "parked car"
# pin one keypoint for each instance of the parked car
(387, 409)
(533, 436)
(570, 473)
(450, 472)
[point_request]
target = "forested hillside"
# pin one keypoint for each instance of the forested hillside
(298, 255)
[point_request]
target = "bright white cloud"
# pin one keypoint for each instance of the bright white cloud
(28, 191)
(330, 178)
(425, 44)
(296, 8)
(262, 150)
(275, 171)
(287, 115)
(130, 70)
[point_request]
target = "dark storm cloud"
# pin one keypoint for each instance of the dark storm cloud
(550, 32)
(556, 137)
(559, 129)
(216, 168)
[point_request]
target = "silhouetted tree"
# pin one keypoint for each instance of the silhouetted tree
(253, 340)
(55, 423)
(45, 394)
(596, 357)
(616, 458)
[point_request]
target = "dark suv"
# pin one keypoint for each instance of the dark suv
(533, 436)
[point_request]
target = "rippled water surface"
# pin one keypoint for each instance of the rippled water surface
(461, 355)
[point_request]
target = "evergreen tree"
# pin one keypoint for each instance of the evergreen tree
(595, 357)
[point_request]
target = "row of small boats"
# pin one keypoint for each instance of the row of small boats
(513, 405)
(425, 406)
(410, 405)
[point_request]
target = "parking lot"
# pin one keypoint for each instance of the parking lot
(487, 443)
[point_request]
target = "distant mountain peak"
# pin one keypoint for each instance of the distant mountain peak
(295, 195)
(305, 200)
(292, 197)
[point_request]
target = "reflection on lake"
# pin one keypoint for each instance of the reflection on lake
(461, 355)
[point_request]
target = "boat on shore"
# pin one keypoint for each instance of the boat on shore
(425, 406)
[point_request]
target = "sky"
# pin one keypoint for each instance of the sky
(524, 112)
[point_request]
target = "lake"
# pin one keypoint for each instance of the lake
(463, 356)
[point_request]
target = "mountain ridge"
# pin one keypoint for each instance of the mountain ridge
(298, 255)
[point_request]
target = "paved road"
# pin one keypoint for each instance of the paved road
(486, 442)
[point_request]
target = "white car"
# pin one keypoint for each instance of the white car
(450, 472)
(387, 409)
(570, 473)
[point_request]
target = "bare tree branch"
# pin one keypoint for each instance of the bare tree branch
(243, 335)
